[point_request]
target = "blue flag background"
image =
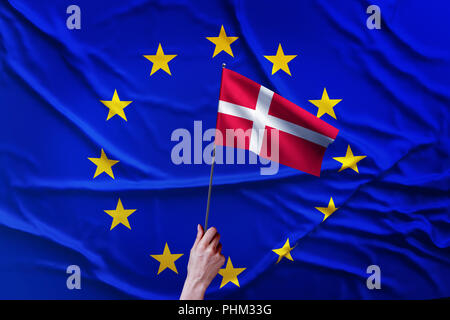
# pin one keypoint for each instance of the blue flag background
(394, 84)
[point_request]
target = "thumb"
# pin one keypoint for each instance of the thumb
(199, 234)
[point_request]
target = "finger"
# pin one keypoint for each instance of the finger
(208, 236)
(199, 235)
(222, 260)
(219, 248)
(215, 241)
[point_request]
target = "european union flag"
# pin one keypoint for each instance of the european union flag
(106, 135)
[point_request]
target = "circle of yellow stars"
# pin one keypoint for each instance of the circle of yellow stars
(160, 61)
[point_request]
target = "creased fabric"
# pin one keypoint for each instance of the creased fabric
(394, 87)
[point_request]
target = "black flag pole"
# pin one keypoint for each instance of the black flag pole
(209, 189)
(211, 175)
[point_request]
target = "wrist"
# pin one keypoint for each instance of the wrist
(193, 289)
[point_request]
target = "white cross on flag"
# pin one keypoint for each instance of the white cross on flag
(252, 108)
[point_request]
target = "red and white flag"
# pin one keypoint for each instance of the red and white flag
(250, 107)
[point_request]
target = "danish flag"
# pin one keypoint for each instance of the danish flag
(302, 138)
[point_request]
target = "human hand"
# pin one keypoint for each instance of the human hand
(204, 263)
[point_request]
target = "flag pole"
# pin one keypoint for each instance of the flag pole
(211, 175)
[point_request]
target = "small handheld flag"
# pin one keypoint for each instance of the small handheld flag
(248, 107)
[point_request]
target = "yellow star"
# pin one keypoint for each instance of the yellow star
(166, 260)
(280, 61)
(284, 251)
(116, 106)
(325, 104)
(222, 42)
(160, 60)
(327, 211)
(120, 215)
(349, 161)
(230, 274)
(103, 165)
